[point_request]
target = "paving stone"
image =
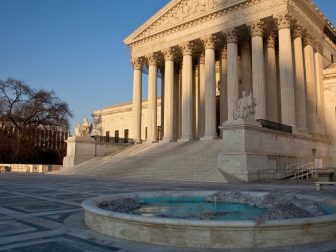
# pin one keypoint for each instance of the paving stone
(31, 220)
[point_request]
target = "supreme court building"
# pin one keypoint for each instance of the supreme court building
(207, 52)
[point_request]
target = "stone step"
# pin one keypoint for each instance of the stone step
(191, 161)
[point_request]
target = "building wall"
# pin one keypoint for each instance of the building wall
(330, 99)
(119, 118)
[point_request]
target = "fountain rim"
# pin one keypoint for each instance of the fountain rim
(91, 205)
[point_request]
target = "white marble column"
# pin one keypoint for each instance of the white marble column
(152, 99)
(272, 109)
(162, 117)
(201, 114)
(137, 99)
(223, 98)
(300, 81)
(312, 122)
(320, 87)
(169, 96)
(246, 66)
(176, 101)
(187, 109)
(210, 88)
(258, 68)
(287, 89)
(232, 71)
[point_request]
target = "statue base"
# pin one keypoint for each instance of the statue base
(253, 153)
(79, 150)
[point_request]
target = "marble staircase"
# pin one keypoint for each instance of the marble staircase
(190, 161)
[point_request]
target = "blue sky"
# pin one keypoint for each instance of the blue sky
(75, 47)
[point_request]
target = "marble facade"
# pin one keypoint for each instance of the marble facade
(277, 52)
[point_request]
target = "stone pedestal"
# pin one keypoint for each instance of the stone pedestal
(253, 153)
(79, 150)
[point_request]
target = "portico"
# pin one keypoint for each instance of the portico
(275, 52)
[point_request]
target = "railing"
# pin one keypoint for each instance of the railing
(275, 126)
(114, 140)
(303, 171)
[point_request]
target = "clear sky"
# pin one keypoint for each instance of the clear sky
(75, 47)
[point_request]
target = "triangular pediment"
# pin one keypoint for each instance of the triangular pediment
(175, 13)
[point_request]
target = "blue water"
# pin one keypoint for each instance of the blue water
(198, 208)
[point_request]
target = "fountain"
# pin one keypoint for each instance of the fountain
(212, 219)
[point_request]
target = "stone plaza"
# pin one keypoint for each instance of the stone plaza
(43, 212)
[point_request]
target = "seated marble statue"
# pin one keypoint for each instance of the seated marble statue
(84, 129)
(245, 107)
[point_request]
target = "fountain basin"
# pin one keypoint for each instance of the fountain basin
(203, 233)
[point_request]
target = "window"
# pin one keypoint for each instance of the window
(116, 136)
(332, 58)
(126, 133)
(107, 136)
(146, 132)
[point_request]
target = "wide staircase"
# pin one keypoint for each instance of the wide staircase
(190, 161)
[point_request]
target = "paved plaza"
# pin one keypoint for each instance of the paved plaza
(43, 212)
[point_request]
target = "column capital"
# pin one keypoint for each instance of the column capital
(283, 20)
(137, 63)
(152, 59)
(231, 35)
(209, 41)
(318, 46)
(223, 53)
(256, 28)
(297, 30)
(169, 54)
(271, 40)
(187, 48)
(308, 39)
(202, 58)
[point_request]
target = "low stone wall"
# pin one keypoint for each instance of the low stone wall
(82, 149)
(32, 168)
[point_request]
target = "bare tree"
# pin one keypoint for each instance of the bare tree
(24, 109)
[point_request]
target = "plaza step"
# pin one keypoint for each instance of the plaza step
(188, 161)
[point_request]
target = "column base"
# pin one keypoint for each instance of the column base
(209, 138)
(184, 139)
(167, 140)
(138, 141)
(302, 132)
(150, 141)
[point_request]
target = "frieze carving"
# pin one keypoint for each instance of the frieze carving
(256, 28)
(231, 35)
(183, 11)
(209, 42)
(187, 48)
(241, 10)
(283, 20)
(137, 63)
